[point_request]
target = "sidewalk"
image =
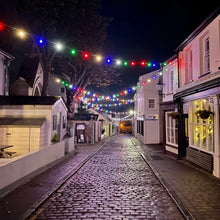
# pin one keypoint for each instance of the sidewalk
(194, 189)
(18, 204)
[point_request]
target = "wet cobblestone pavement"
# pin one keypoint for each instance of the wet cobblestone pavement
(115, 184)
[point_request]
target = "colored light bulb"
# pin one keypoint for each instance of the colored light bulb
(59, 46)
(108, 60)
(73, 52)
(86, 55)
(1, 26)
(132, 63)
(143, 63)
(21, 34)
(118, 62)
(98, 58)
(149, 64)
(125, 63)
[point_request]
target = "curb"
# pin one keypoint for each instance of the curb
(185, 212)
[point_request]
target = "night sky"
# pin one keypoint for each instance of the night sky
(141, 29)
(150, 30)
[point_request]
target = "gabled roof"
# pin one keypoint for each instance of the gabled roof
(28, 69)
(28, 100)
(6, 55)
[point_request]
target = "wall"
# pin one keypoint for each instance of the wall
(152, 132)
(54, 88)
(60, 110)
(21, 166)
(168, 93)
(214, 32)
(69, 145)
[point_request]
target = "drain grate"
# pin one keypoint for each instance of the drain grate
(156, 157)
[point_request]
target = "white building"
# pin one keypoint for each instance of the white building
(147, 126)
(198, 94)
(5, 60)
(169, 80)
(30, 123)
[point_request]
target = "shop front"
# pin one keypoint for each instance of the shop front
(202, 103)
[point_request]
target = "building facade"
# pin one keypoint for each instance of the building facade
(169, 76)
(30, 123)
(147, 126)
(198, 95)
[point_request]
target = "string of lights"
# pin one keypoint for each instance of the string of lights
(113, 97)
(86, 55)
(109, 105)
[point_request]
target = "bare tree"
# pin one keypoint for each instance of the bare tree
(79, 24)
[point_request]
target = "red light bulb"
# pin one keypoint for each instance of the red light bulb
(132, 63)
(86, 55)
(143, 63)
(1, 26)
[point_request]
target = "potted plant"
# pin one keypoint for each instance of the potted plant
(204, 114)
(55, 139)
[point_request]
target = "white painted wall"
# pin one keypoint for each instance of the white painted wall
(16, 168)
(152, 132)
(60, 110)
(166, 74)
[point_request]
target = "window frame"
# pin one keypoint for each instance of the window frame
(54, 122)
(148, 103)
(171, 130)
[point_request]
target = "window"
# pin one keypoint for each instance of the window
(54, 122)
(171, 129)
(64, 121)
(206, 55)
(62, 90)
(201, 130)
(189, 66)
(140, 127)
(151, 103)
(170, 78)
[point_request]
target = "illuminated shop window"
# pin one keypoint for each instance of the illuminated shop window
(201, 125)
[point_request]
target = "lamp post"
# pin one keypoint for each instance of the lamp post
(159, 87)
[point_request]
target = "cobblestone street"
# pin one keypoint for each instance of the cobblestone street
(115, 184)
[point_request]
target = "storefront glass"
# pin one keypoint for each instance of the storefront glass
(201, 125)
